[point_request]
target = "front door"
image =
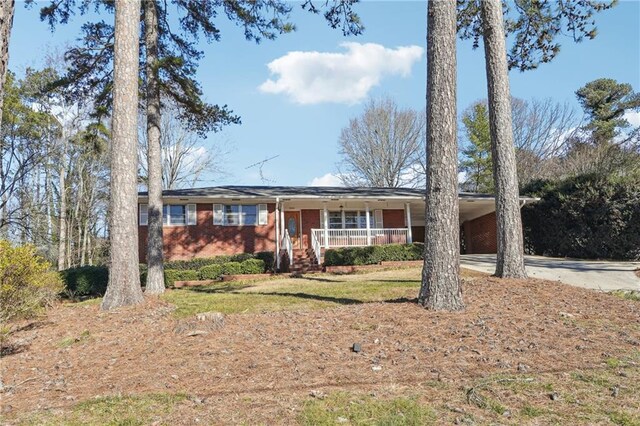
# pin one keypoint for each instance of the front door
(292, 224)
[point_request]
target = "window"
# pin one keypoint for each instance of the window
(232, 215)
(362, 220)
(249, 215)
(178, 214)
(144, 214)
(350, 219)
(335, 220)
(240, 215)
(378, 217)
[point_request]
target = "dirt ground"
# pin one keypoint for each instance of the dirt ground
(260, 367)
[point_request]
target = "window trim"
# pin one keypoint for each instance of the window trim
(187, 222)
(358, 214)
(143, 207)
(220, 216)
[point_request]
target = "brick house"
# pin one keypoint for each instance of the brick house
(304, 221)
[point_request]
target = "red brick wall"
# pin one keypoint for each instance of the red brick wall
(206, 239)
(480, 234)
(310, 219)
(393, 218)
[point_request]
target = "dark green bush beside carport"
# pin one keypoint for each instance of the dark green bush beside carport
(371, 255)
(587, 217)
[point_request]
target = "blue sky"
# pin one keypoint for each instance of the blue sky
(304, 135)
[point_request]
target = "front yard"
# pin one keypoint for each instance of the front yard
(523, 352)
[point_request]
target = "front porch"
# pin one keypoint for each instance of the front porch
(309, 227)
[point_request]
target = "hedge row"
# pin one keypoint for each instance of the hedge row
(371, 255)
(587, 217)
(93, 280)
(214, 271)
(195, 264)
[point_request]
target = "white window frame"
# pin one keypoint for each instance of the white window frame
(263, 215)
(378, 219)
(220, 217)
(359, 214)
(143, 214)
(190, 215)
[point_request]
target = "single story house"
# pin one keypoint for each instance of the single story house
(304, 221)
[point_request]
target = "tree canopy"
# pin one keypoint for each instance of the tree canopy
(605, 102)
(534, 26)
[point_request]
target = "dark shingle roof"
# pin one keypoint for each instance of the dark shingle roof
(301, 192)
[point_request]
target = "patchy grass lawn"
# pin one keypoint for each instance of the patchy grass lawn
(112, 410)
(317, 291)
(522, 352)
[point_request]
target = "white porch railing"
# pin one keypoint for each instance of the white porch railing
(328, 238)
(317, 247)
(287, 245)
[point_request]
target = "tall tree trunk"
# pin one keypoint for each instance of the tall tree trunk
(6, 23)
(441, 273)
(155, 274)
(124, 276)
(510, 262)
(62, 205)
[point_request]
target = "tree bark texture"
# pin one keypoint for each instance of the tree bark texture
(510, 258)
(62, 218)
(124, 277)
(441, 273)
(155, 274)
(6, 23)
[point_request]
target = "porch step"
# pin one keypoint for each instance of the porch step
(305, 269)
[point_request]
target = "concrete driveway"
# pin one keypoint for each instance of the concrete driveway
(594, 274)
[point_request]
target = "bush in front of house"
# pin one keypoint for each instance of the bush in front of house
(91, 281)
(252, 266)
(173, 275)
(216, 271)
(210, 272)
(269, 259)
(231, 268)
(27, 283)
(371, 255)
(588, 216)
(85, 281)
(198, 262)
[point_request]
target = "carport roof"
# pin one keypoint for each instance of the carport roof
(302, 192)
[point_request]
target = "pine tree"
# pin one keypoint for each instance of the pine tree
(124, 277)
(440, 288)
(7, 8)
(477, 164)
(510, 256)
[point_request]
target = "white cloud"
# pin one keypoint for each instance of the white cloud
(316, 77)
(327, 180)
(633, 117)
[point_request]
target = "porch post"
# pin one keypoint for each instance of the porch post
(277, 220)
(408, 210)
(368, 215)
(326, 226)
(284, 225)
